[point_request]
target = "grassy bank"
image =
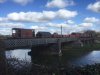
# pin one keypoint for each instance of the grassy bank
(85, 47)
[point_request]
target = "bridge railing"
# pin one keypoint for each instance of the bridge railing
(16, 43)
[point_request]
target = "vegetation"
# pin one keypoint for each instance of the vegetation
(85, 47)
(14, 66)
(23, 67)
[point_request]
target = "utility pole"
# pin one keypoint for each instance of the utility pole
(61, 30)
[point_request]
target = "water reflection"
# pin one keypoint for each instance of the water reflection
(90, 58)
(50, 64)
(21, 54)
(74, 58)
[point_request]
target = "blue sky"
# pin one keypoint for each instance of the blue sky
(49, 15)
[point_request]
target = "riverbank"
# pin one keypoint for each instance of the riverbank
(25, 69)
(87, 47)
(52, 65)
(87, 70)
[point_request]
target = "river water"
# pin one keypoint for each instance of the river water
(25, 62)
(75, 58)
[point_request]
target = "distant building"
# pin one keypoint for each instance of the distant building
(23, 33)
(55, 35)
(75, 34)
(86, 34)
(43, 34)
(90, 33)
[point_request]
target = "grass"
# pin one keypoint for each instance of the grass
(86, 47)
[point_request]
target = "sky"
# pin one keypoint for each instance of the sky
(50, 15)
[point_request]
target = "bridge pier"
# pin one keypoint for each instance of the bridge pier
(59, 47)
(88, 41)
(52, 48)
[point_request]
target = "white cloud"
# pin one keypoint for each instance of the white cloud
(86, 24)
(44, 16)
(60, 3)
(22, 2)
(6, 28)
(11, 25)
(57, 25)
(70, 22)
(31, 16)
(49, 14)
(94, 7)
(2, 1)
(68, 28)
(5, 31)
(38, 27)
(66, 14)
(91, 20)
(3, 19)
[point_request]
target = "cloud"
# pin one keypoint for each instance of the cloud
(5, 31)
(50, 27)
(70, 22)
(94, 7)
(57, 25)
(66, 14)
(44, 16)
(2, 1)
(68, 28)
(60, 3)
(32, 16)
(6, 28)
(86, 24)
(36, 27)
(22, 2)
(91, 20)
(11, 25)
(3, 19)
(39, 28)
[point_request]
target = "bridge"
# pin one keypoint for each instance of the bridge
(28, 43)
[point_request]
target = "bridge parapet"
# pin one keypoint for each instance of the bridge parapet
(22, 43)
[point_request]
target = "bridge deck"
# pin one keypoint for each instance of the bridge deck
(16, 43)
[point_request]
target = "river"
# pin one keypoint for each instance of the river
(74, 58)
(24, 62)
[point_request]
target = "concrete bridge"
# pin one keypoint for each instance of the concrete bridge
(28, 43)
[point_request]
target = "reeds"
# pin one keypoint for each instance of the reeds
(14, 66)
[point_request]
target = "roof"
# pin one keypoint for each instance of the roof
(21, 29)
(44, 33)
